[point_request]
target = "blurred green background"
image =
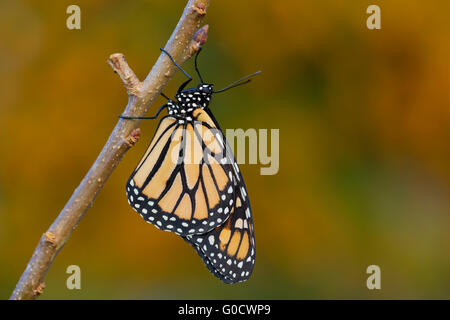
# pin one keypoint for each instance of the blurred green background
(364, 119)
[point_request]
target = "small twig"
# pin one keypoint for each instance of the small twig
(120, 66)
(186, 39)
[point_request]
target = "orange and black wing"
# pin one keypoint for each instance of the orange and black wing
(181, 185)
(229, 249)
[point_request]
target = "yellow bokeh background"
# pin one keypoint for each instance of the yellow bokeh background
(364, 120)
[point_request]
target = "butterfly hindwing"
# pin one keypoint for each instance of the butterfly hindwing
(229, 250)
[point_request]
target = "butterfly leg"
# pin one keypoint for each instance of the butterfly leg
(154, 117)
(184, 84)
(166, 97)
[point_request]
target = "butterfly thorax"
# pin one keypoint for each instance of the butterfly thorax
(190, 99)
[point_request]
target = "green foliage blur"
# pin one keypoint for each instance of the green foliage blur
(364, 119)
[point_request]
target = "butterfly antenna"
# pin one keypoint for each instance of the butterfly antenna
(238, 82)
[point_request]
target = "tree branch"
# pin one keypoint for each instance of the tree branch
(186, 39)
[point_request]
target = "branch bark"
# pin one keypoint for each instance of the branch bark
(185, 40)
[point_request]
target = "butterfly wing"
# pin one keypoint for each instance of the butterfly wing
(179, 185)
(229, 249)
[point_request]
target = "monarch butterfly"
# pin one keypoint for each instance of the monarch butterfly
(189, 183)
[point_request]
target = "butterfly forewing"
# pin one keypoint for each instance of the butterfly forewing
(181, 184)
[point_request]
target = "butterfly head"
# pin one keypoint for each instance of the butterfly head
(206, 89)
(190, 99)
